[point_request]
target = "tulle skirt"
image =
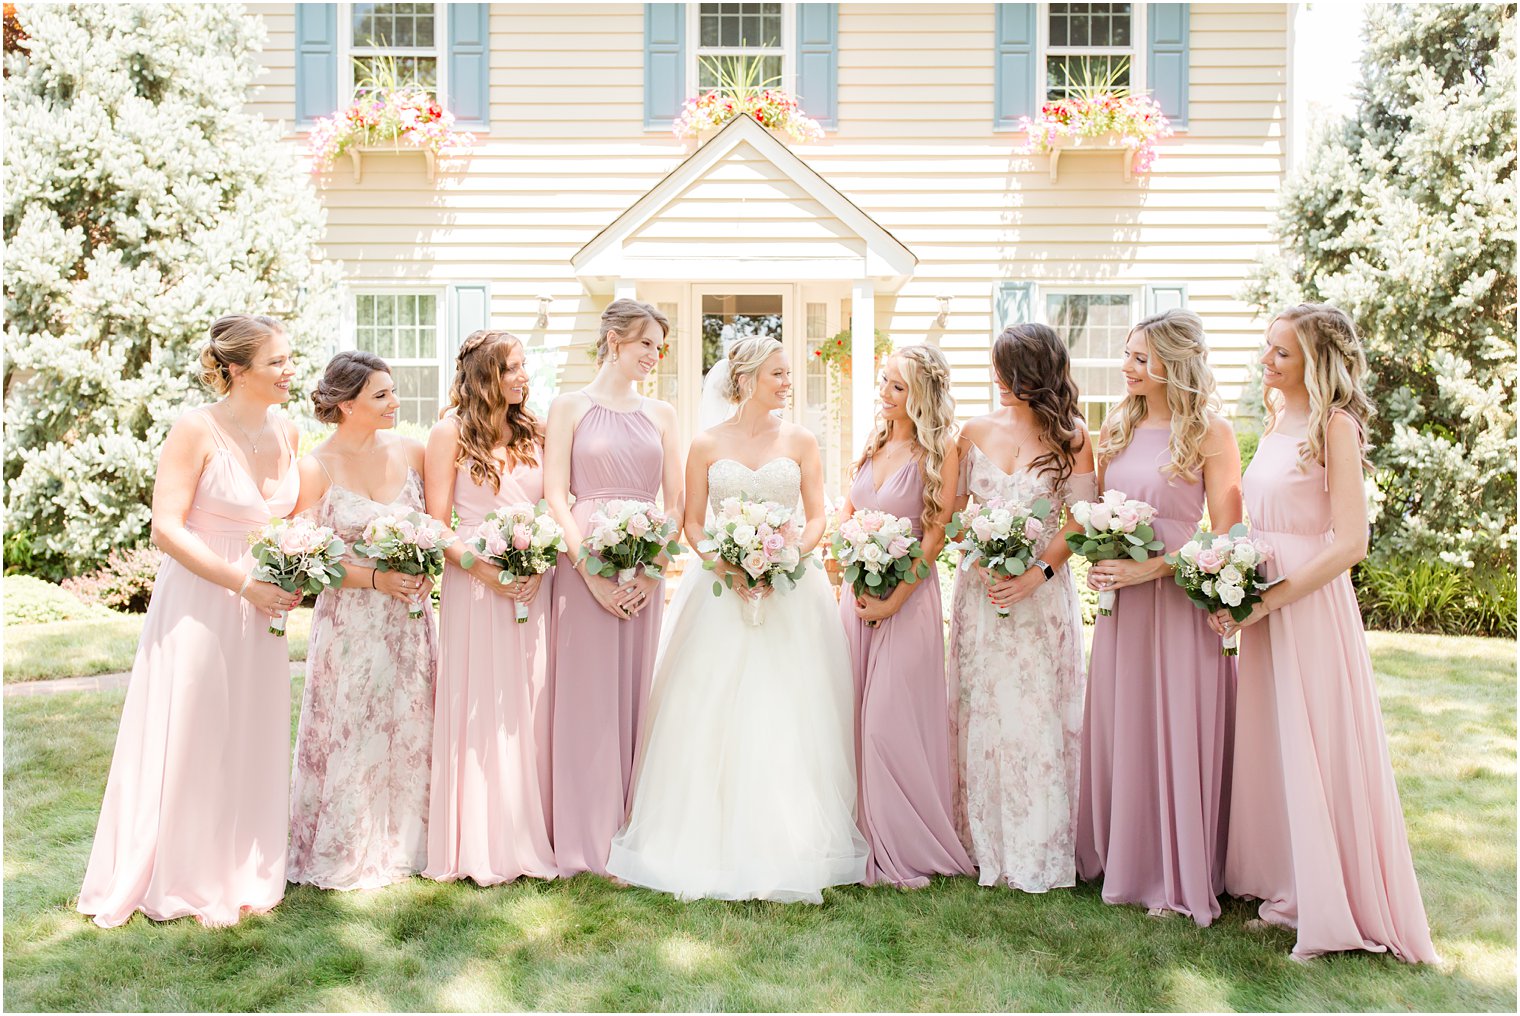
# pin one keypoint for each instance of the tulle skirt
(745, 788)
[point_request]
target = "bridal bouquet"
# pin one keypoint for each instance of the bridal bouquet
(1000, 533)
(763, 540)
(407, 542)
(1113, 526)
(521, 540)
(296, 554)
(877, 551)
(626, 536)
(1223, 573)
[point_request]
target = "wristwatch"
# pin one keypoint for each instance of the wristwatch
(1050, 572)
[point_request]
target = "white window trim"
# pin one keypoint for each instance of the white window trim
(441, 360)
(1136, 294)
(787, 51)
(1139, 12)
(347, 51)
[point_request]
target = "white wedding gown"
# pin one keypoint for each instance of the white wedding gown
(745, 787)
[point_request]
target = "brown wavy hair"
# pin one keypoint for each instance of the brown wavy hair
(481, 410)
(1032, 362)
(931, 408)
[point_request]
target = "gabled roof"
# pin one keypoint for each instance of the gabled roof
(603, 260)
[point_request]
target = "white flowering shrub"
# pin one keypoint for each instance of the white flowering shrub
(1404, 216)
(141, 203)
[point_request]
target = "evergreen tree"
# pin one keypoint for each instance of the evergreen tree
(142, 201)
(1404, 216)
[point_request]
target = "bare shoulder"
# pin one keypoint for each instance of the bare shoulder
(447, 427)
(975, 428)
(1342, 431)
(796, 437)
(414, 451)
(568, 406)
(1220, 434)
(662, 412)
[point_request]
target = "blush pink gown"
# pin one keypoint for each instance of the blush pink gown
(489, 815)
(1159, 723)
(602, 664)
(1316, 830)
(903, 753)
(196, 807)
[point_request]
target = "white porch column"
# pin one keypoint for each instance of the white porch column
(862, 363)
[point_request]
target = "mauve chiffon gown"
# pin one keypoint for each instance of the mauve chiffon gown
(196, 808)
(1316, 830)
(1159, 724)
(902, 741)
(602, 664)
(490, 811)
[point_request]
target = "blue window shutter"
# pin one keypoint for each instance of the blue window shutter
(818, 62)
(469, 311)
(1013, 304)
(664, 63)
(1167, 59)
(316, 61)
(469, 97)
(1013, 71)
(1171, 296)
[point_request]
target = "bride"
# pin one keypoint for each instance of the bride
(746, 784)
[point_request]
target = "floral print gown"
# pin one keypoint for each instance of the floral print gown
(359, 790)
(1017, 685)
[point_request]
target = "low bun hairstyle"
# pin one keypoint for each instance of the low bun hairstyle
(623, 316)
(745, 358)
(233, 341)
(1032, 362)
(344, 379)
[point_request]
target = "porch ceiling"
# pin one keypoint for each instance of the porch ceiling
(743, 208)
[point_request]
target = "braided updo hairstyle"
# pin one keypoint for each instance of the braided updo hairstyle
(486, 419)
(233, 341)
(344, 379)
(1334, 371)
(745, 358)
(932, 410)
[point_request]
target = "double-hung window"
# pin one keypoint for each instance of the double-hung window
(752, 43)
(405, 329)
(1090, 43)
(406, 40)
(1094, 325)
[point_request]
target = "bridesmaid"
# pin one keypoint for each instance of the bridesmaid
(1156, 741)
(605, 442)
(358, 808)
(903, 755)
(489, 819)
(1019, 679)
(195, 813)
(1316, 830)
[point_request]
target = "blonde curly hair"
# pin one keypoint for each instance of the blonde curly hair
(1334, 369)
(932, 410)
(1176, 339)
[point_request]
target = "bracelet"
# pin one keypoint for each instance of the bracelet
(372, 573)
(244, 587)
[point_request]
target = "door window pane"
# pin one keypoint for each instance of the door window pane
(1094, 327)
(402, 329)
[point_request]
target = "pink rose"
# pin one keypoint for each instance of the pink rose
(522, 539)
(638, 524)
(1210, 560)
(1100, 517)
(898, 547)
(1128, 519)
(755, 563)
(871, 522)
(774, 543)
(981, 527)
(1033, 529)
(496, 544)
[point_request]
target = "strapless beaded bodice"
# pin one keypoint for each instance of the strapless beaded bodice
(779, 480)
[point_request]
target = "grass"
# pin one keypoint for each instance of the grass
(38, 652)
(584, 944)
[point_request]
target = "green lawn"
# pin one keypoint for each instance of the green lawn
(37, 652)
(584, 944)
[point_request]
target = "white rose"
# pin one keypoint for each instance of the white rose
(744, 534)
(1244, 555)
(1189, 551)
(872, 553)
(1208, 587)
(754, 513)
(1081, 511)
(1231, 595)
(1230, 575)
(1002, 521)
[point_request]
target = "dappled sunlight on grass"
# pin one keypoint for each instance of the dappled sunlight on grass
(586, 944)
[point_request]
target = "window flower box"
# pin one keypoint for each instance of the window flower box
(775, 110)
(401, 119)
(1098, 123)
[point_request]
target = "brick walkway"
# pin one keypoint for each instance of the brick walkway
(100, 682)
